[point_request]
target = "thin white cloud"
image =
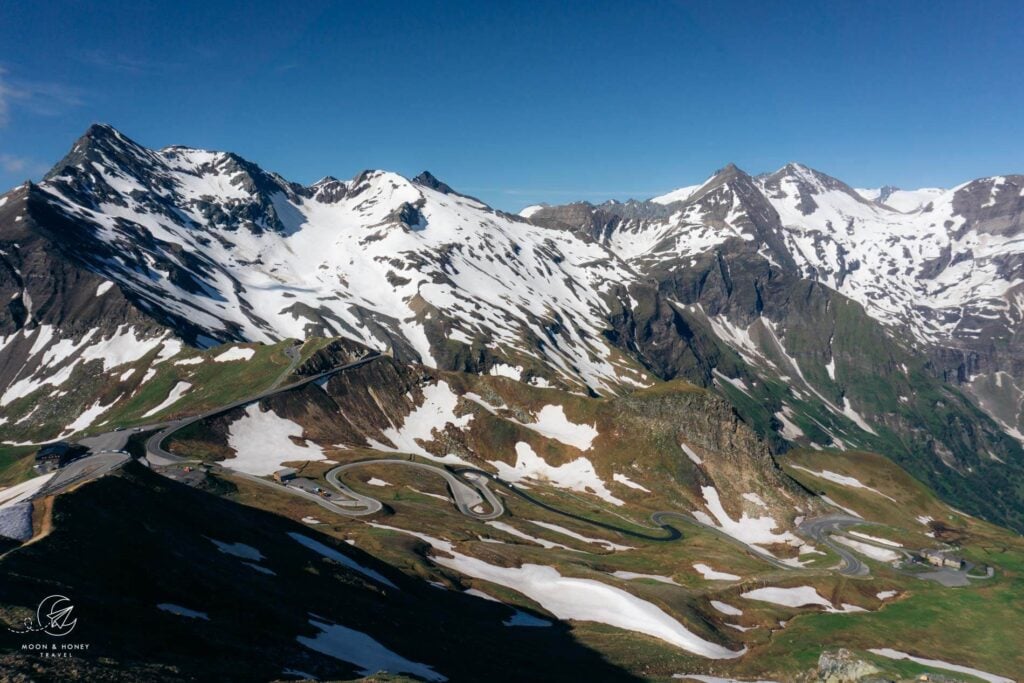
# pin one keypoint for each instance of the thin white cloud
(37, 97)
(15, 165)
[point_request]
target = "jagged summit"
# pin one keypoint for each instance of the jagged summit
(127, 247)
(427, 179)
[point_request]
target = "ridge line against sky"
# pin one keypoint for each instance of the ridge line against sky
(528, 102)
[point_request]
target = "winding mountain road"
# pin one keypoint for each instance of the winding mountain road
(469, 496)
(821, 528)
(468, 486)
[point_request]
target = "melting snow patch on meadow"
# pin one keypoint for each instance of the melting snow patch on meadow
(580, 599)
(852, 513)
(576, 475)
(87, 417)
(241, 550)
(512, 531)
(374, 481)
(552, 423)
(629, 576)
(503, 370)
(939, 664)
(580, 537)
(885, 595)
(868, 550)
(788, 597)
(749, 530)
(369, 656)
(755, 499)
(26, 489)
(436, 411)
(263, 440)
(332, 554)
(841, 479)
(177, 391)
(876, 539)
(691, 454)
(713, 574)
(790, 430)
(714, 679)
(237, 353)
(626, 481)
(726, 608)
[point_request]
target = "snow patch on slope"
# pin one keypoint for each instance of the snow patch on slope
(263, 441)
(576, 475)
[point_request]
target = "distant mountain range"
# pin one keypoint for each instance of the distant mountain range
(882, 320)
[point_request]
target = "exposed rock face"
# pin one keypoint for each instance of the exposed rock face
(827, 318)
(841, 666)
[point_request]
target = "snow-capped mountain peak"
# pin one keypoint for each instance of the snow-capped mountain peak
(219, 249)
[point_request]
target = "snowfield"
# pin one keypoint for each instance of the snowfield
(576, 475)
(177, 391)
(368, 655)
(876, 539)
(714, 575)
(344, 560)
(691, 454)
(552, 423)
(23, 491)
(788, 597)
(868, 550)
(626, 481)
(512, 531)
(579, 599)
(726, 608)
(631, 576)
(842, 480)
(608, 545)
(436, 411)
(939, 664)
(338, 244)
(237, 353)
(240, 550)
(263, 441)
(749, 530)
(852, 513)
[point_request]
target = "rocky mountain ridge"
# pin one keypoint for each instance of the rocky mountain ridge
(829, 319)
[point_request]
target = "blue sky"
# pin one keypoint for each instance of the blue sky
(526, 102)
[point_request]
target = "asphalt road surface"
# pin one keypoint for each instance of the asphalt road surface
(821, 528)
(83, 469)
(467, 485)
(468, 497)
(370, 506)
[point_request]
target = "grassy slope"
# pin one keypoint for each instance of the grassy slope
(963, 625)
(213, 384)
(640, 440)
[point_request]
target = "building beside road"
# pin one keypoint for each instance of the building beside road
(55, 455)
(942, 558)
(286, 474)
